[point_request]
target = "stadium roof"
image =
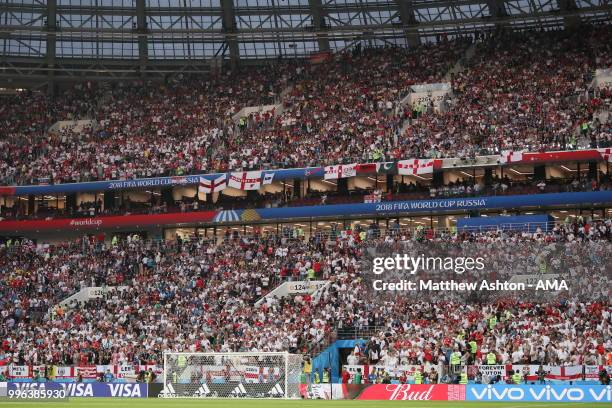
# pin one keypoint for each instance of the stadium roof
(48, 41)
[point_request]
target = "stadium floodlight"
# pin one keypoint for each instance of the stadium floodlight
(231, 375)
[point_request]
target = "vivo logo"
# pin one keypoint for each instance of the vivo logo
(402, 392)
(546, 393)
(492, 394)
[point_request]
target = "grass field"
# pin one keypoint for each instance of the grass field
(234, 403)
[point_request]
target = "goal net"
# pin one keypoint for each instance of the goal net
(231, 375)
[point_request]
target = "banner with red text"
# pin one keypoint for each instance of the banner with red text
(413, 392)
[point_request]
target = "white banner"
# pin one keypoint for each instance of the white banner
(245, 180)
(415, 166)
(491, 371)
(101, 369)
(88, 372)
(268, 178)
(603, 78)
(212, 186)
(64, 372)
(340, 171)
(366, 370)
(326, 392)
(552, 372)
(371, 198)
(592, 371)
(126, 371)
(19, 371)
(510, 156)
(257, 374)
(304, 287)
(426, 94)
(408, 370)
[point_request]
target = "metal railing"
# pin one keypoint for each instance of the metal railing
(362, 332)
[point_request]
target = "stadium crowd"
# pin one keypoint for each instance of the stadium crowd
(521, 91)
(187, 126)
(346, 109)
(141, 129)
(199, 295)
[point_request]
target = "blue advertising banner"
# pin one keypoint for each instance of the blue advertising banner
(437, 205)
(94, 389)
(277, 175)
(535, 393)
(591, 155)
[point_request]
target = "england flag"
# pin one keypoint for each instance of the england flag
(510, 156)
(245, 180)
(340, 171)
(606, 154)
(212, 186)
(415, 166)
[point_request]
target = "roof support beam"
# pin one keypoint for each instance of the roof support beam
(318, 23)
(497, 10)
(230, 30)
(51, 29)
(142, 29)
(408, 18)
(570, 21)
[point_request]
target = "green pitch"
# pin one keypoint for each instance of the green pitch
(250, 403)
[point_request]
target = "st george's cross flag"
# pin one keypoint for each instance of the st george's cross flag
(415, 166)
(245, 180)
(340, 171)
(212, 186)
(510, 156)
(606, 154)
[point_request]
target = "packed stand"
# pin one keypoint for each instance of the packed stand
(141, 129)
(521, 91)
(186, 126)
(199, 295)
(346, 109)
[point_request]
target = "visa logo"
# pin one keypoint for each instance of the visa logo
(124, 390)
(78, 389)
(29, 386)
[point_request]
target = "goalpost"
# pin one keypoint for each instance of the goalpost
(231, 375)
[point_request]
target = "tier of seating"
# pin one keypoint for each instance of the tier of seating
(199, 296)
(345, 110)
